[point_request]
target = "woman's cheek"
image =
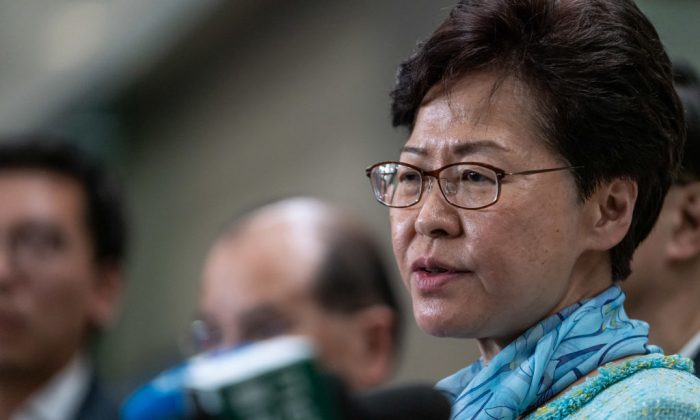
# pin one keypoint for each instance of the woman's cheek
(402, 232)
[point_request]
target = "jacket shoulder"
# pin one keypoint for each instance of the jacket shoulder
(654, 393)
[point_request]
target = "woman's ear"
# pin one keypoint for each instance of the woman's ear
(684, 242)
(612, 206)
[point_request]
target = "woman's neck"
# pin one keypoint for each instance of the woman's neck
(489, 347)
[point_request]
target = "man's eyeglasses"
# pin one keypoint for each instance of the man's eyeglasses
(200, 336)
(467, 185)
(259, 323)
(32, 245)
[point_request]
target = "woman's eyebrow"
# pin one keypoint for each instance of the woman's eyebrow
(421, 151)
(460, 149)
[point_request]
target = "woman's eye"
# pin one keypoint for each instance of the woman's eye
(409, 177)
(472, 176)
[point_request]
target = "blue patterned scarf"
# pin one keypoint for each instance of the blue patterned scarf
(547, 358)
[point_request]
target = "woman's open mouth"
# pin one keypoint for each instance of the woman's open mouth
(430, 274)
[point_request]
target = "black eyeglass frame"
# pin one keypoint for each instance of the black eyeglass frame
(435, 173)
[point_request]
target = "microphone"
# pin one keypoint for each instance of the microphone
(400, 403)
(275, 379)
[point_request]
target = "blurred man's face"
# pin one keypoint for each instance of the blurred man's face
(49, 288)
(259, 285)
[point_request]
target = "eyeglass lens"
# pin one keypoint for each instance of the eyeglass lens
(201, 336)
(31, 245)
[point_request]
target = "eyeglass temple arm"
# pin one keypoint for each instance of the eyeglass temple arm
(539, 171)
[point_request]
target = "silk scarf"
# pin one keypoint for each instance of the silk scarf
(547, 358)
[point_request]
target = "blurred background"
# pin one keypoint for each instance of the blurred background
(209, 107)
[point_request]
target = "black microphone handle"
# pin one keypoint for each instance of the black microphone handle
(407, 402)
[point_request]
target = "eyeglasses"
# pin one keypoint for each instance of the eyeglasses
(467, 185)
(260, 323)
(200, 336)
(32, 245)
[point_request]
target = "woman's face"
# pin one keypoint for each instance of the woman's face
(488, 273)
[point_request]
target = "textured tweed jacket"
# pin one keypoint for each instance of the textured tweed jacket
(646, 387)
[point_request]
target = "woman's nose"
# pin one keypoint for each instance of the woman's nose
(437, 217)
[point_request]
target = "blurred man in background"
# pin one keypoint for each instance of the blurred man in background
(299, 266)
(664, 288)
(62, 244)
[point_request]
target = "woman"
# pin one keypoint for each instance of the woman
(543, 137)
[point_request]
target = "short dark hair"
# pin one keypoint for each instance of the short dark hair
(104, 212)
(688, 86)
(354, 276)
(599, 78)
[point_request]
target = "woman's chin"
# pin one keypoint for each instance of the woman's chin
(437, 326)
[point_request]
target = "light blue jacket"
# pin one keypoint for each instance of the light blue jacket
(651, 387)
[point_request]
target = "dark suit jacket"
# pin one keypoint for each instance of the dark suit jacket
(97, 405)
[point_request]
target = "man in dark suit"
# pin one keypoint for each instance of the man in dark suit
(664, 288)
(62, 243)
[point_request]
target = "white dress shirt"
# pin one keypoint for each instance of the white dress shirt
(692, 348)
(61, 397)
